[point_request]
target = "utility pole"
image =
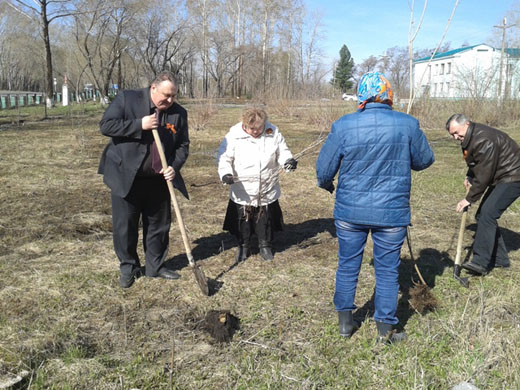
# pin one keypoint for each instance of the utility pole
(504, 27)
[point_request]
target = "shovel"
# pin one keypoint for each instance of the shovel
(458, 257)
(422, 298)
(199, 274)
(409, 242)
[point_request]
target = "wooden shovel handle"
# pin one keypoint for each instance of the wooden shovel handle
(458, 256)
(174, 199)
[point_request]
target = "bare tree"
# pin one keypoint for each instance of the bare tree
(292, 13)
(100, 38)
(397, 70)
(312, 50)
(368, 65)
(411, 37)
(200, 11)
(164, 37)
(269, 11)
(44, 12)
(477, 82)
(237, 47)
(221, 62)
(18, 44)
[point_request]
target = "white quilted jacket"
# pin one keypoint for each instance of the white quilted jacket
(255, 164)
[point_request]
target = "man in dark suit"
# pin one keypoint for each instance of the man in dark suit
(131, 167)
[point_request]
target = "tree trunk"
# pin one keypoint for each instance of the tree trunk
(49, 81)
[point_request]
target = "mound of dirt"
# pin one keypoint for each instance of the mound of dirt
(422, 300)
(221, 325)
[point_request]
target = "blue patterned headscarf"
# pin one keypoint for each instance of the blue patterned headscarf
(374, 87)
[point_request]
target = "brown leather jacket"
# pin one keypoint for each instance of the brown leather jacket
(492, 157)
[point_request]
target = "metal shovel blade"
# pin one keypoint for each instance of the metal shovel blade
(456, 275)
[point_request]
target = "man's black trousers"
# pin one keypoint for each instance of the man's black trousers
(489, 248)
(148, 199)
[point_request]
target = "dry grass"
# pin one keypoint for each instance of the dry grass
(64, 319)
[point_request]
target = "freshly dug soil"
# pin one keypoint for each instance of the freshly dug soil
(221, 325)
(421, 299)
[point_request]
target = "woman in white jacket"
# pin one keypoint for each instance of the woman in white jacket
(250, 158)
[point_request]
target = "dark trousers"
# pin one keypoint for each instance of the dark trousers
(254, 220)
(489, 248)
(148, 199)
(245, 221)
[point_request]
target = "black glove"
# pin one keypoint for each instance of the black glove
(290, 164)
(329, 186)
(228, 179)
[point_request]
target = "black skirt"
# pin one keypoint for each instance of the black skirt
(234, 214)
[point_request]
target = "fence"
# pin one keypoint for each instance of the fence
(14, 99)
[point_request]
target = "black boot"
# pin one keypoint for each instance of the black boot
(347, 325)
(385, 334)
(244, 251)
(265, 250)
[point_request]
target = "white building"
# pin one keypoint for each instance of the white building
(469, 72)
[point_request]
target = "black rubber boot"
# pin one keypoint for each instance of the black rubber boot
(244, 237)
(244, 251)
(265, 250)
(347, 325)
(386, 335)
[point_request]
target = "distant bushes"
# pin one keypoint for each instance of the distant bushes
(433, 113)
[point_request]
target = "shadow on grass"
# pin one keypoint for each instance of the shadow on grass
(300, 234)
(431, 264)
(511, 238)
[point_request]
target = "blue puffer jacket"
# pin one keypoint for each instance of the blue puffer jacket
(373, 150)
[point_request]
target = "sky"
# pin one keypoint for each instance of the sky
(370, 27)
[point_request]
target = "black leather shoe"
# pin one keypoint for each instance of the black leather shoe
(266, 253)
(243, 253)
(475, 269)
(166, 273)
(126, 280)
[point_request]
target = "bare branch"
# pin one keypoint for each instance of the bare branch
(20, 11)
(413, 93)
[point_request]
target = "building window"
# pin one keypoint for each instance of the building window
(442, 68)
(448, 68)
(436, 69)
(447, 89)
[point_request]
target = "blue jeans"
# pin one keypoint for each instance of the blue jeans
(387, 257)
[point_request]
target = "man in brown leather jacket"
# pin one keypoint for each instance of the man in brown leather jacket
(493, 160)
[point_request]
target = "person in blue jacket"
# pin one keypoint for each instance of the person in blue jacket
(374, 150)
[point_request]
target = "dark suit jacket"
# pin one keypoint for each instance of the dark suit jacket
(125, 152)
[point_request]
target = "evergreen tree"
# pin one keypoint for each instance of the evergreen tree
(343, 74)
